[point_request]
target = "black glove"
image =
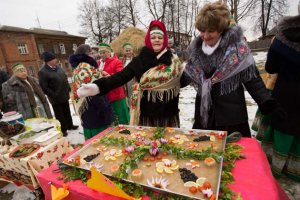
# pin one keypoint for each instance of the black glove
(279, 113)
(272, 107)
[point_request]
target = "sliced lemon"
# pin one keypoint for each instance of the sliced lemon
(180, 142)
(168, 170)
(212, 138)
(174, 167)
(118, 154)
(160, 169)
(200, 181)
(159, 164)
(106, 154)
(107, 157)
(113, 158)
(82, 161)
(190, 184)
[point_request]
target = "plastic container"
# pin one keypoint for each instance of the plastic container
(47, 138)
(18, 139)
(12, 118)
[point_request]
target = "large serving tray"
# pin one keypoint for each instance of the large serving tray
(212, 173)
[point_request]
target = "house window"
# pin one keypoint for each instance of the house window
(74, 47)
(62, 48)
(31, 70)
(41, 48)
(23, 48)
(55, 48)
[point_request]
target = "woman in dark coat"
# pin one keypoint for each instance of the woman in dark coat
(158, 74)
(282, 139)
(95, 112)
(220, 66)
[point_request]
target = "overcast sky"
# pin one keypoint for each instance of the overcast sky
(62, 14)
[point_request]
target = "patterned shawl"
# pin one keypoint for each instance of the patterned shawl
(235, 65)
(84, 73)
(158, 81)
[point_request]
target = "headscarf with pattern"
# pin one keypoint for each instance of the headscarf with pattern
(162, 27)
(236, 65)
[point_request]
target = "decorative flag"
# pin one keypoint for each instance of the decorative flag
(60, 193)
(102, 184)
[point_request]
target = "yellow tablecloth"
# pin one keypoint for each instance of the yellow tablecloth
(22, 169)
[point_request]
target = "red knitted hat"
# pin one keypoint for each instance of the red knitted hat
(162, 28)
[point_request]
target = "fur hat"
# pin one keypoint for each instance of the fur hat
(104, 47)
(17, 67)
(48, 56)
(162, 28)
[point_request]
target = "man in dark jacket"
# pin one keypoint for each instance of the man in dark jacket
(3, 78)
(54, 83)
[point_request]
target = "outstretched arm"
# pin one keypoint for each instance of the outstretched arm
(106, 84)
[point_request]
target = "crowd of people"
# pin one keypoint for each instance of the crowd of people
(143, 88)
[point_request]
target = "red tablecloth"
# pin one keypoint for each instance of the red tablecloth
(253, 178)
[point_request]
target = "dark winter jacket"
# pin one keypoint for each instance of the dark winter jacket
(98, 111)
(284, 58)
(228, 110)
(135, 69)
(15, 97)
(54, 84)
(3, 77)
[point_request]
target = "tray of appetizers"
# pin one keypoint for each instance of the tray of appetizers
(169, 160)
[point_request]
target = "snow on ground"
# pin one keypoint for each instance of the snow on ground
(260, 57)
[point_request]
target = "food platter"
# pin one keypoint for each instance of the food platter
(37, 128)
(177, 161)
(7, 130)
(24, 150)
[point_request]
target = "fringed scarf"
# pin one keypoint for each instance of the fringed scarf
(159, 81)
(84, 73)
(235, 65)
(31, 88)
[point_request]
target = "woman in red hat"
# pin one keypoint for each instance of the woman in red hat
(159, 76)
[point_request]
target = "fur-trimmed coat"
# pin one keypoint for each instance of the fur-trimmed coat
(227, 111)
(284, 58)
(136, 68)
(15, 97)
